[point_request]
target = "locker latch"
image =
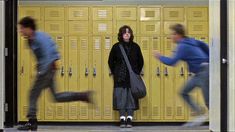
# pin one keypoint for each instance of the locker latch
(62, 71)
(70, 71)
(86, 72)
(158, 71)
(94, 71)
(181, 71)
(166, 72)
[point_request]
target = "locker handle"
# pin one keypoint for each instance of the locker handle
(190, 74)
(181, 71)
(22, 70)
(158, 71)
(166, 71)
(142, 73)
(62, 71)
(110, 73)
(94, 71)
(86, 72)
(70, 71)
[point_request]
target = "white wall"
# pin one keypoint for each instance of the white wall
(231, 68)
(2, 73)
(214, 11)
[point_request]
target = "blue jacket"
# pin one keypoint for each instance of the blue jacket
(45, 50)
(192, 51)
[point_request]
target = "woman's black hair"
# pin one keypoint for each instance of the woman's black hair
(122, 31)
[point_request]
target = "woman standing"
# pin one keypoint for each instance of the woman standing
(123, 100)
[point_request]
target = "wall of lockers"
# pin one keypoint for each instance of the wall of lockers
(85, 35)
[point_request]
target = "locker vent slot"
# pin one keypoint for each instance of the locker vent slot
(59, 111)
(97, 111)
(197, 27)
(145, 44)
(78, 13)
(73, 45)
(126, 14)
(168, 45)
(150, 28)
(107, 110)
(73, 111)
(145, 111)
(169, 111)
(179, 111)
(174, 14)
(25, 109)
(84, 44)
(84, 111)
(149, 13)
(155, 44)
(102, 13)
(30, 13)
(78, 27)
(49, 111)
(54, 14)
(197, 14)
(155, 111)
(55, 27)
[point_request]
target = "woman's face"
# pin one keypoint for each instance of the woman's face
(126, 36)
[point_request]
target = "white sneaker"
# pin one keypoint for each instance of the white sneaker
(198, 121)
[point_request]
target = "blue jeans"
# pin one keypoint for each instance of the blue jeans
(200, 79)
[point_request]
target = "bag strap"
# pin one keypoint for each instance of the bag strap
(125, 57)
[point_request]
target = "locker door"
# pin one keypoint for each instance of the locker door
(198, 28)
(54, 13)
(24, 84)
(73, 75)
(126, 13)
(102, 13)
(78, 13)
(168, 24)
(179, 110)
(156, 81)
(54, 27)
(107, 80)
(102, 27)
(60, 108)
(150, 14)
(132, 24)
(173, 14)
(145, 109)
(32, 11)
(150, 28)
(197, 14)
(168, 81)
(78, 27)
(96, 80)
(84, 73)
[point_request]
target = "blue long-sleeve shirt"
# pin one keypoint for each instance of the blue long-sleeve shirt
(45, 50)
(192, 51)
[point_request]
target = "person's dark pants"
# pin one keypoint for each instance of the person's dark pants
(123, 112)
(201, 80)
(47, 81)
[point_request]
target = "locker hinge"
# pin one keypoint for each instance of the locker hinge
(6, 51)
(6, 107)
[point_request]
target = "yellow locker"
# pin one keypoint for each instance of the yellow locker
(197, 13)
(107, 80)
(156, 81)
(180, 110)
(173, 14)
(54, 13)
(102, 27)
(132, 24)
(198, 28)
(54, 27)
(78, 13)
(168, 24)
(126, 13)
(84, 73)
(150, 28)
(78, 27)
(169, 94)
(60, 108)
(24, 84)
(150, 14)
(73, 75)
(102, 13)
(32, 11)
(203, 39)
(96, 80)
(144, 103)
